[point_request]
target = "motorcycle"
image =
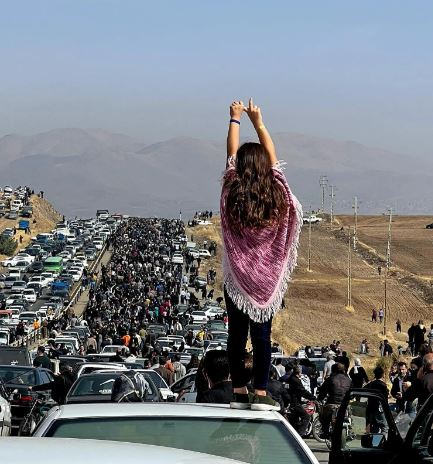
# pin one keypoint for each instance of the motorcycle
(310, 408)
(37, 412)
(318, 432)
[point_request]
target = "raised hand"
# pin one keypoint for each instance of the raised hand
(254, 114)
(236, 110)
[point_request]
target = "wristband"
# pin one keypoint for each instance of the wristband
(235, 121)
(262, 126)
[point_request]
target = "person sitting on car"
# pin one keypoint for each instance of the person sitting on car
(217, 372)
(333, 390)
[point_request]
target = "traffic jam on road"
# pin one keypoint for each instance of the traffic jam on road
(131, 367)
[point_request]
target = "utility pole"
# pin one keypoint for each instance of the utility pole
(309, 242)
(355, 229)
(349, 273)
(323, 181)
(388, 264)
(332, 195)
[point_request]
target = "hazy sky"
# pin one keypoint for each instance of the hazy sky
(158, 69)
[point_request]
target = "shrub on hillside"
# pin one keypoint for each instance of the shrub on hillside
(7, 246)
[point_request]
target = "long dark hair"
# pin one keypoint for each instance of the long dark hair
(255, 200)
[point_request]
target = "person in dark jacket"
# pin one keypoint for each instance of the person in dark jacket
(217, 372)
(332, 391)
(59, 386)
(343, 359)
(374, 416)
(297, 391)
(277, 389)
(398, 387)
(358, 374)
(418, 336)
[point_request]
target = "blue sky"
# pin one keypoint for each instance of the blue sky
(350, 70)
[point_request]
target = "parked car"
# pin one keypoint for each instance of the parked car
(254, 436)
(97, 386)
(199, 317)
(17, 380)
(36, 267)
(204, 253)
(313, 219)
(177, 258)
(200, 282)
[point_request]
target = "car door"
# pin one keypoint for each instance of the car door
(364, 430)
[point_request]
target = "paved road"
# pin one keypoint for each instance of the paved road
(320, 450)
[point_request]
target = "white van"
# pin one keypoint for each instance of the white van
(16, 205)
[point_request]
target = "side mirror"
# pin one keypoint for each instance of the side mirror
(372, 440)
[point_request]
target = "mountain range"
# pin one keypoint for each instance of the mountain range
(81, 170)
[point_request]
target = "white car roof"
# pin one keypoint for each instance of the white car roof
(72, 411)
(16, 450)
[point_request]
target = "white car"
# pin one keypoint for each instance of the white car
(49, 276)
(18, 449)
(13, 260)
(213, 311)
(204, 253)
(194, 253)
(43, 281)
(29, 295)
(25, 257)
(264, 437)
(75, 274)
(199, 317)
(13, 296)
(5, 416)
(177, 258)
(313, 219)
(216, 345)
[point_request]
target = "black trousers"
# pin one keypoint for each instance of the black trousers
(239, 324)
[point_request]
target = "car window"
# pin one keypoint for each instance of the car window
(253, 441)
(17, 376)
(183, 383)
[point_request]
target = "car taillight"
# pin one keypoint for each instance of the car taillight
(25, 399)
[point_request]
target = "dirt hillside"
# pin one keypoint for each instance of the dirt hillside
(46, 218)
(316, 311)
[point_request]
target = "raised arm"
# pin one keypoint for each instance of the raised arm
(236, 110)
(255, 116)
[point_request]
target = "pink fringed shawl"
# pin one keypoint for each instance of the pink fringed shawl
(258, 265)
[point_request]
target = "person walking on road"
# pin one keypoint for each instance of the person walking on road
(261, 221)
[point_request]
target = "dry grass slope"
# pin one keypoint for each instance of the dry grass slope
(46, 218)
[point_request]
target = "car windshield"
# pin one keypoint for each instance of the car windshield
(17, 375)
(99, 384)
(253, 441)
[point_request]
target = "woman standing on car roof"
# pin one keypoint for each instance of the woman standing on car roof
(261, 220)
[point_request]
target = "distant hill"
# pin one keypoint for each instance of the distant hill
(82, 170)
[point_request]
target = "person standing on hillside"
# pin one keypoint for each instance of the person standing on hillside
(261, 220)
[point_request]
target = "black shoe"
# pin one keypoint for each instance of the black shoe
(241, 401)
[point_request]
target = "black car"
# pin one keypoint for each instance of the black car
(385, 443)
(429, 226)
(36, 267)
(17, 380)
